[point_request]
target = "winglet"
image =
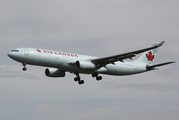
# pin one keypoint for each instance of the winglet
(160, 44)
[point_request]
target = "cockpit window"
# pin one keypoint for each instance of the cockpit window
(15, 51)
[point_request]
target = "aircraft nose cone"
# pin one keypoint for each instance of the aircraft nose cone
(10, 54)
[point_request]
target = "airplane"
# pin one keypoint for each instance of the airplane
(59, 63)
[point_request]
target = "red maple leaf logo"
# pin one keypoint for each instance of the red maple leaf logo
(149, 56)
(39, 51)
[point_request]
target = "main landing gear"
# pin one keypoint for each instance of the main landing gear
(97, 77)
(77, 78)
(24, 68)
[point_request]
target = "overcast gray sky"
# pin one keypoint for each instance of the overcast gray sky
(93, 27)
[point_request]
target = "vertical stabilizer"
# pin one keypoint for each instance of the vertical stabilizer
(149, 56)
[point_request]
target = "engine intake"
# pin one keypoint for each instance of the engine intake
(53, 72)
(85, 65)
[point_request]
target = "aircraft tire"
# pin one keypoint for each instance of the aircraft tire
(94, 74)
(75, 79)
(24, 69)
(81, 82)
(99, 78)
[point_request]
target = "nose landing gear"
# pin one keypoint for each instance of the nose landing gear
(24, 68)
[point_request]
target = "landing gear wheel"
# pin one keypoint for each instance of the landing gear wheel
(94, 74)
(81, 82)
(24, 69)
(77, 79)
(99, 78)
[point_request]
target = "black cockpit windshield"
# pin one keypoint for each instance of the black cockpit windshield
(15, 51)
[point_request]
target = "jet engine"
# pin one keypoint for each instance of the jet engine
(53, 72)
(85, 65)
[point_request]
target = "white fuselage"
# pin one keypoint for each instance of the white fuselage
(61, 60)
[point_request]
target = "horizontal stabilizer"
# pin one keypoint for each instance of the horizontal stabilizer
(157, 65)
(160, 44)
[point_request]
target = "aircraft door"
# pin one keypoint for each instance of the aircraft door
(26, 52)
(135, 66)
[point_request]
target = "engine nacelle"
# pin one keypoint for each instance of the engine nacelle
(85, 65)
(53, 72)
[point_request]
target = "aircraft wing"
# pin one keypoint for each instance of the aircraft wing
(157, 65)
(102, 62)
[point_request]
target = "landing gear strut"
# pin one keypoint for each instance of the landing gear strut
(97, 77)
(77, 78)
(24, 68)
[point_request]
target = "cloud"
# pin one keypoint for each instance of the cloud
(45, 108)
(97, 28)
(149, 87)
(15, 71)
